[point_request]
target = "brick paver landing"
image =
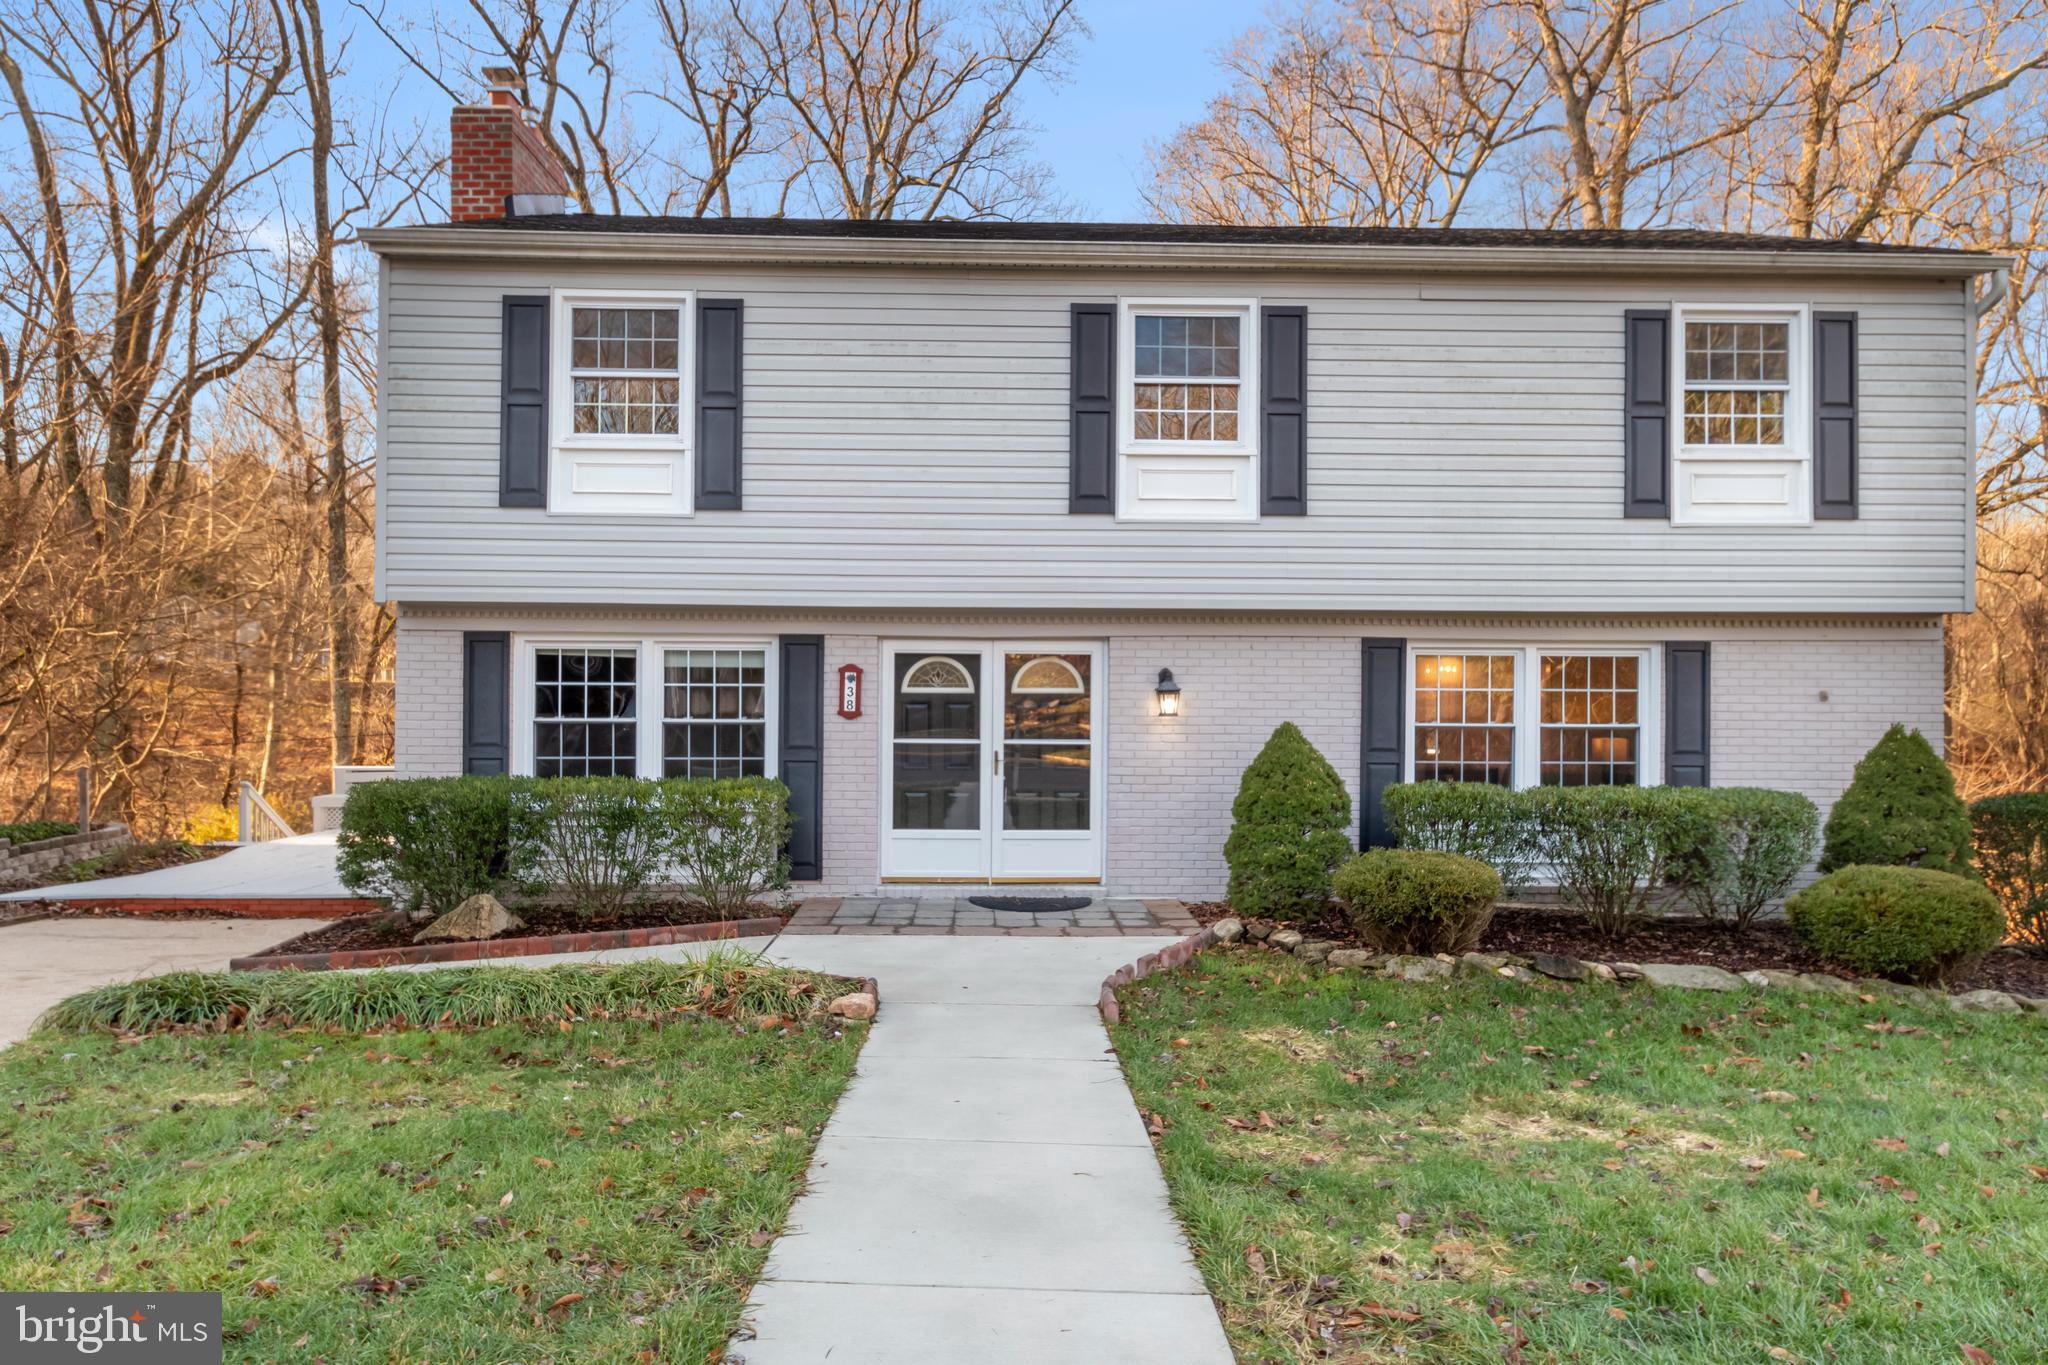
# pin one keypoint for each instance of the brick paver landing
(1109, 917)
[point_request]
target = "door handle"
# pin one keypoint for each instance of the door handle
(995, 758)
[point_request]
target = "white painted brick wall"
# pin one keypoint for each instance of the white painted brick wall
(1170, 782)
(428, 705)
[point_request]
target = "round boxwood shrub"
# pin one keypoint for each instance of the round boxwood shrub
(2012, 854)
(1906, 923)
(1901, 810)
(1411, 900)
(1290, 826)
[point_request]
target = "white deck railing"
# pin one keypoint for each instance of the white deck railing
(257, 821)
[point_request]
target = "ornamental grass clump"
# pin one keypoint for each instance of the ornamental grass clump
(1901, 810)
(1291, 823)
(1407, 900)
(2012, 854)
(1496, 825)
(1906, 923)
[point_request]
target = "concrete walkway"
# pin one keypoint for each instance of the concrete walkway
(285, 869)
(45, 960)
(985, 1191)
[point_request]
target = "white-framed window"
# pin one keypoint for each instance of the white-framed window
(621, 402)
(1187, 405)
(648, 707)
(1534, 715)
(1740, 441)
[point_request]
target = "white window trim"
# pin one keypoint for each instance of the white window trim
(648, 672)
(1798, 448)
(1528, 750)
(1244, 450)
(652, 473)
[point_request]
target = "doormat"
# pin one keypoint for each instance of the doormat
(1030, 905)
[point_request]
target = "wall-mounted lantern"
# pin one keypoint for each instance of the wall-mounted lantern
(1168, 693)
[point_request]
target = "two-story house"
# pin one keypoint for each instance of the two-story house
(1006, 545)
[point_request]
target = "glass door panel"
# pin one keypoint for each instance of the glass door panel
(1047, 767)
(936, 763)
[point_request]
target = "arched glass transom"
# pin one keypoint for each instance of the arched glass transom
(1049, 676)
(937, 674)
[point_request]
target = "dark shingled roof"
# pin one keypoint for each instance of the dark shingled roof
(1196, 234)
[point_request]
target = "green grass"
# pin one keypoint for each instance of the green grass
(1375, 1170)
(567, 1190)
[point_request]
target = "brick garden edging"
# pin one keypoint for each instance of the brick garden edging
(232, 907)
(1172, 955)
(591, 941)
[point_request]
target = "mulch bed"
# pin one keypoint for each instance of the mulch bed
(1526, 929)
(384, 931)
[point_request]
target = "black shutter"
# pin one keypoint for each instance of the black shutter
(1646, 398)
(486, 702)
(1091, 454)
(1834, 416)
(523, 403)
(1383, 707)
(1688, 700)
(1283, 415)
(720, 362)
(801, 752)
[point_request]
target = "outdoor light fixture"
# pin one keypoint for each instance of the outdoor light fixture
(1168, 693)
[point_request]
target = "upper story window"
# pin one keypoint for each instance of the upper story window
(1742, 453)
(1187, 402)
(622, 395)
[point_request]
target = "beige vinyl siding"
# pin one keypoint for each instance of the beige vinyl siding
(906, 446)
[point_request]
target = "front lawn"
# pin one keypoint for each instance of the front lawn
(563, 1190)
(1477, 1171)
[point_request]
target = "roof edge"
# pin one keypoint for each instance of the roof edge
(446, 242)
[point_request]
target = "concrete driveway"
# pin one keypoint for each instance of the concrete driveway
(45, 960)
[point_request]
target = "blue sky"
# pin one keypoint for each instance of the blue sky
(1148, 70)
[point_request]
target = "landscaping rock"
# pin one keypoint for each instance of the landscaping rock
(1770, 978)
(1404, 968)
(1562, 967)
(858, 1005)
(2032, 1004)
(1689, 976)
(1315, 951)
(1986, 1002)
(1286, 940)
(1627, 971)
(1257, 930)
(1352, 957)
(478, 917)
(1484, 964)
(1912, 995)
(1825, 984)
(1601, 971)
(1229, 929)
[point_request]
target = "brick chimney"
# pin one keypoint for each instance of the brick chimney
(494, 153)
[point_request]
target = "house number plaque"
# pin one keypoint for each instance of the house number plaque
(849, 691)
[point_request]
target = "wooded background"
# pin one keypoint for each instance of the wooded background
(186, 323)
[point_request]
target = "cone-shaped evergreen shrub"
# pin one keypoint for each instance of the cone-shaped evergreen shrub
(1901, 810)
(1290, 827)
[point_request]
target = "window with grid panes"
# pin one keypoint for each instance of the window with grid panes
(714, 713)
(1186, 378)
(625, 371)
(1589, 727)
(1737, 379)
(585, 702)
(1465, 718)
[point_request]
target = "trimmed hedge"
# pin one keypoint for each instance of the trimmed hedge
(427, 843)
(607, 842)
(2012, 854)
(1495, 825)
(1406, 900)
(1753, 844)
(1291, 824)
(1611, 847)
(1901, 810)
(1906, 923)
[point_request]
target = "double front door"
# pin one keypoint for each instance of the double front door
(991, 762)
